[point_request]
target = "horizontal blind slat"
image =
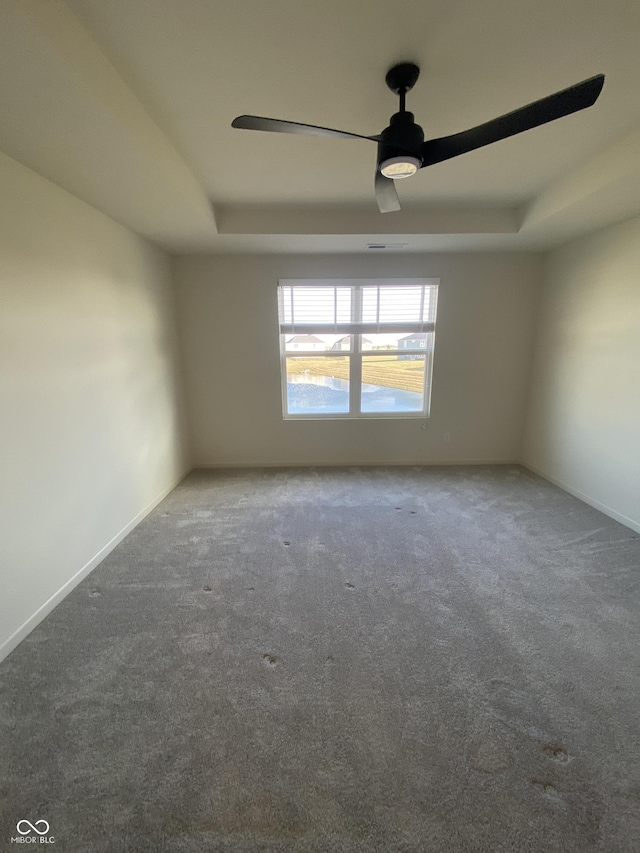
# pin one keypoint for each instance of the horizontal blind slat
(353, 328)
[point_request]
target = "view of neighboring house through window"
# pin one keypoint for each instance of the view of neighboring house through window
(357, 349)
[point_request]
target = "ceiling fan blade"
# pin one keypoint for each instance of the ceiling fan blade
(386, 194)
(275, 125)
(563, 103)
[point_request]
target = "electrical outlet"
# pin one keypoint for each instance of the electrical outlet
(446, 437)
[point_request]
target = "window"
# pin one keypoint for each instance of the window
(357, 349)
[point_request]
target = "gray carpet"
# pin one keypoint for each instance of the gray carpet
(339, 661)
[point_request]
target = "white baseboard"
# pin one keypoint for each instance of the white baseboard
(377, 463)
(18, 635)
(607, 510)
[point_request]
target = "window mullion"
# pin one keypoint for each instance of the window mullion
(283, 375)
(355, 371)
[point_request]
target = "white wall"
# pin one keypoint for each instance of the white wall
(228, 321)
(583, 429)
(91, 427)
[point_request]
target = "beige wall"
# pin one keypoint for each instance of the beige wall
(227, 315)
(583, 428)
(91, 432)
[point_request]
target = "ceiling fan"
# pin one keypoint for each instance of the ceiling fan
(401, 146)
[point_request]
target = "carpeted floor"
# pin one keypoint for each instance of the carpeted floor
(339, 661)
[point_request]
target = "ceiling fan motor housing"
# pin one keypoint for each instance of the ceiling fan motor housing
(402, 137)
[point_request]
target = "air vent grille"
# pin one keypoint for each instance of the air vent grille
(387, 245)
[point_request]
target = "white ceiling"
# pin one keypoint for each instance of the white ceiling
(128, 105)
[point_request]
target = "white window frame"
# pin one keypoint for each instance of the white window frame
(355, 353)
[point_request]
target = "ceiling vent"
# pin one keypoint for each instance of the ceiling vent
(387, 245)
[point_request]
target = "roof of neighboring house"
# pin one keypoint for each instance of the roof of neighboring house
(346, 338)
(304, 339)
(414, 336)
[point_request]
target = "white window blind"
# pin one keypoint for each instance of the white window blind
(374, 307)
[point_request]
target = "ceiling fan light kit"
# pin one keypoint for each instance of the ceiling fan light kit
(400, 167)
(402, 149)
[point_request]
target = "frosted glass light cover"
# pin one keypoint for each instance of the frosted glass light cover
(399, 167)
